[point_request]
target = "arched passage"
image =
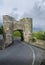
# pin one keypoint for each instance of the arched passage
(18, 34)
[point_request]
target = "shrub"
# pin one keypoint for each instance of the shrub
(39, 35)
(16, 34)
(1, 30)
(34, 39)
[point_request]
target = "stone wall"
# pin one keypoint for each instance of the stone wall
(10, 24)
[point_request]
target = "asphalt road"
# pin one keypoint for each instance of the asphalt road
(20, 53)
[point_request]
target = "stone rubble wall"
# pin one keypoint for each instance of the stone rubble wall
(10, 24)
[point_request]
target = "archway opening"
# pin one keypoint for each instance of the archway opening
(18, 34)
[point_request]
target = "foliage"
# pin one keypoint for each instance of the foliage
(22, 19)
(34, 39)
(16, 34)
(1, 30)
(39, 35)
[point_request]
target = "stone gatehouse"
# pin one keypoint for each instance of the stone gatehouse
(10, 25)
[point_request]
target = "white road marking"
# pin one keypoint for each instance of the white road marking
(33, 54)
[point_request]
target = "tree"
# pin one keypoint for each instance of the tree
(1, 30)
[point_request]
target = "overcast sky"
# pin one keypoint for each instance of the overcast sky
(24, 8)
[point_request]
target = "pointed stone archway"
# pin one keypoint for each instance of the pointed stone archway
(10, 24)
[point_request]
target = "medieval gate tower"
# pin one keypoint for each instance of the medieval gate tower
(10, 25)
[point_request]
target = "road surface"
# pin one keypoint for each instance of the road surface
(20, 53)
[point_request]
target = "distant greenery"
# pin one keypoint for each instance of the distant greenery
(35, 35)
(38, 35)
(16, 34)
(1, 30)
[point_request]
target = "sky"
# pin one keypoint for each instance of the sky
(34, 9)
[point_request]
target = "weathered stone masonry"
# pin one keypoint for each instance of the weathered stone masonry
(10, 25)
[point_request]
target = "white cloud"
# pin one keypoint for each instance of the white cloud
(16, 13)
(39, 9)
(21, 5)
(25, 8)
